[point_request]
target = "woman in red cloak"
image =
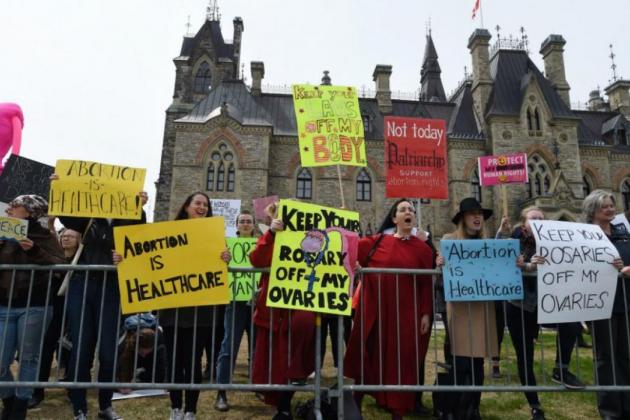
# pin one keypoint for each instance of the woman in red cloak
(390, 334)
(289, 334)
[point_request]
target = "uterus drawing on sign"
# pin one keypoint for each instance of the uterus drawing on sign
(314, 245)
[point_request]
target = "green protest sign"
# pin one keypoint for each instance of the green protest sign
(242, 285)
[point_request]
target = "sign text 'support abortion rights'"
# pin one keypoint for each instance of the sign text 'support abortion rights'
(415, 158)
(577, 282)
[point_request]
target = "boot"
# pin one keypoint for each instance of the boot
(7, 406)
(19, 409)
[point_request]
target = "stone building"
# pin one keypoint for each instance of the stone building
(234, 140)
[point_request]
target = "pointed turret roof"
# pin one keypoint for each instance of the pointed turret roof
(431, 88)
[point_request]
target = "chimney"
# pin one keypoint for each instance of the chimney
(552, 50)
(326, 81)
(381, 75)
(238, 35)
(619, 97)
(258, 73)
(478, 44)
(595, 101)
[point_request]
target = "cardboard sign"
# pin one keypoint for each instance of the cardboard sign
(171, 264)
(481, 269)
(301, 217)
(260, 204)
(313, 271)
(24, 176)
(503, 169)
(621, 219)
(242, 285)
(577, 282)
(12, 228)
(92, 189)
(229, 210)
(329, 125)
(415, 158)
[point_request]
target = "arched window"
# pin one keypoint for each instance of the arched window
(475, 186)
(364, 186)
(221, 174)
(539, 176)
(203, 78)
(221, 177)
(587, 184)
(536, 119)
(230, 178)
(530, 123)
(304, 184)
(625, 194)
(210, 177)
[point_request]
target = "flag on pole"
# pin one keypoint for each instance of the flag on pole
(476, 8)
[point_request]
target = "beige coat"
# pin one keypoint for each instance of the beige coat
(472, 326)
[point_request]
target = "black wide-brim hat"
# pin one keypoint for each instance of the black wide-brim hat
(471, 204)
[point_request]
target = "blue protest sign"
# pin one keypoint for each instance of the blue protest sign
(481, 269)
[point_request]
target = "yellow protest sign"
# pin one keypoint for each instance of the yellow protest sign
(329, 125)
(301, 217)
(92, 189)
(172, 264)
(313, 271)
(12, 228)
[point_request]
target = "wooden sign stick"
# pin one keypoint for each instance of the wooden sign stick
(343, 200)
(504, 200)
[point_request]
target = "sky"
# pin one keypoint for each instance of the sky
(94, 77)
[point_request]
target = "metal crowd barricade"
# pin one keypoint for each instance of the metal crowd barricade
(103, 275)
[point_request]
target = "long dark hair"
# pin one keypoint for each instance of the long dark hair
(388, 223)
(146, 340)
(181, 214)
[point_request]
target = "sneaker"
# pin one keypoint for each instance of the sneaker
(538, 414)
(80, 415)
(221, 403)
(566, 378)
(176, 414)
(189, 416)
(108, 414)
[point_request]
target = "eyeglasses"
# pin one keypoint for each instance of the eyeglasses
(406, 208)
(246, 222)
(536, 218)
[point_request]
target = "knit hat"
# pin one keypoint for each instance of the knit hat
(36, 205)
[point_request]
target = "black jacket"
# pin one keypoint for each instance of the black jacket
(46, 251)
(620, 238)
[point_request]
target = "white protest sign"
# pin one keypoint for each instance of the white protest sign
(577, 282)
(230, 210)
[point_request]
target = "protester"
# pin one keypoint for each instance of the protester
(521, 314)
(142, 351)
(393, 319)
(285, 339)
(471, 325)
(238, 320)
(610, 336)
(186, 329)
(69, 240)
(25, 309)
(93, 310)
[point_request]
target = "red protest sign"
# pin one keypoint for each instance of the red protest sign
(415, 158)
(503, 169)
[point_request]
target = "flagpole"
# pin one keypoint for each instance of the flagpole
(481, 13)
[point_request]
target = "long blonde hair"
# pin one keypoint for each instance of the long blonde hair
(460, 231)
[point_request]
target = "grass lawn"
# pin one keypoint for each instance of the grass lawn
(498, 406)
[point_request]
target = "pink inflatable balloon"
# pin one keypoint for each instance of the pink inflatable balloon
(11, 124)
